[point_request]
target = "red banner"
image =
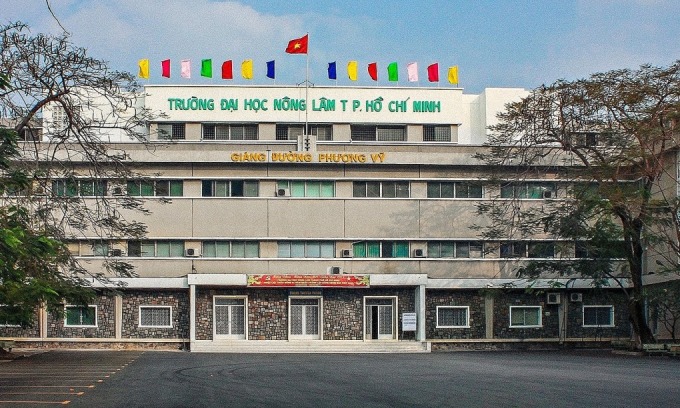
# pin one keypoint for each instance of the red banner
(286, 281)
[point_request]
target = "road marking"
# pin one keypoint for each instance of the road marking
(36, 402)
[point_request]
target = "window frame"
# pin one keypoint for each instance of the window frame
(177, 131)
(66, 315)
(229, 186)
(234, 131)
(155, 187)
(381, 184)
(370, 247)
(139, 316)
(307, 247)
(432, 133)
(293, 187)
(145, 245)
(453, 307)
(525, 308)
(230, 248)
(611, 315)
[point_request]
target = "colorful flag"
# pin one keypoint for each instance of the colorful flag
(165, 68)
(227, 72)
(144, 68)
(433, 72)
(271, 69)
(412, 70)
(298, 45)
(373, 70)
(393, 72)
(332, 71)
(352, 69)
(206, 68)
(453, 74)
(247, 69)
(185, 70)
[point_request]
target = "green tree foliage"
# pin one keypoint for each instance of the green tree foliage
(611, 142)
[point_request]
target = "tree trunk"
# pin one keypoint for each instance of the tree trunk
(641, 330)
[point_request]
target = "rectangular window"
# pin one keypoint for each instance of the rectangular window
(231, 249)
(528, 190)
(100, 248)
(80, 316)
(291, 132)
(436, 133)
(155, 316)
(526, 316)
(514, 250)
(447, 189)
(171, 131)
(160, 188)
(83, 188)
(598, 316)
(225, 131)
(453, 249)
(308, 188)
(147, 249)
(230, 188)
(385, 189)
(380, 249)
(541, 249)
(453, 317)
(306, 249)
(371, 133)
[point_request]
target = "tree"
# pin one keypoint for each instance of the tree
(57, 189)
(664, 300)
(611, 141)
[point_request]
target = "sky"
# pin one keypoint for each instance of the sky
(503, 43)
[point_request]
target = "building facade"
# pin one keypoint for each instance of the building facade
(356, 233)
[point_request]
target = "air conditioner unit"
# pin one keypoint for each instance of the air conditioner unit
(553, 298)
(576, 297)
(418, 253)
(190, 252)
(548, 194)
(346, 253)
(116, 252)
(282, 192)
(334, 270)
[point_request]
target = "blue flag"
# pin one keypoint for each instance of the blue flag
(332, 72)
(271, 69)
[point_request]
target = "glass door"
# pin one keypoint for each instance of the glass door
(230, 318)
(379, 318)
(305, 318)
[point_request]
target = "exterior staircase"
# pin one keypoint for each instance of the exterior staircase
(309, 346)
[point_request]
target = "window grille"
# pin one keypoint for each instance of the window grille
(432, 133)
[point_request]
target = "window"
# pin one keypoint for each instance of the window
(231, 249)
(452, 249)
(525, 316)
(149, 188)
(306, 249)
(308, 188)
(386, 189)
(155, 316)
(591, 250)
(10, 316)
(165, 249)
(541, 249)
(224, 131)
(528, 190)
(230, 317)
(380, 249)
(230, 188)
(80, 316)
(514, 250)
(100, 248)
(83, 188)
(598, 316)
(171, 131)
(453, 316)
(437, 189)
(436, 133)
(291, 132)
(378, 133)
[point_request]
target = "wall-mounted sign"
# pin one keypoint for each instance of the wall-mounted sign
(408, 322)
(286, 281)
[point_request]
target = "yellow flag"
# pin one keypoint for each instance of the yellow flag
(247, 69)
(453, 74)
(144, 68)
(352, 69)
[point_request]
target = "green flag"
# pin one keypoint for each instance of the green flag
(393, 72)
(206, 68)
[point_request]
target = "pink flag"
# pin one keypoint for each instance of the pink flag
(186, 68)
(412, 70)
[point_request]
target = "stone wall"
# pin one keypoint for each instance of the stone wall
(178, 300)
(501, 317)
(600, 298)
(106, 322)
(17, 331)
(342, 314)
(471, 298)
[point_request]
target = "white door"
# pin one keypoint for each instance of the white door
(304, 318)
(379, 319)
(230, 318)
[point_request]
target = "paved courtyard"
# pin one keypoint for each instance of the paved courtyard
(464, 379)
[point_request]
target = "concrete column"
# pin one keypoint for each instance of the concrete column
(42, 320)
(488, 314)
(119, 316)
(192, 313)
(420, 313)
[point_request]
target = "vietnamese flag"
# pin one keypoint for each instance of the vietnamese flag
(298, 45)
(227, 71)
(433, 72)
(165, 68)
(373, 70)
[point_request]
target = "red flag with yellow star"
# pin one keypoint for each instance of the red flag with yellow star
(298, 45)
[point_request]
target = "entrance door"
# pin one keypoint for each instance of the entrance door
(380, 318)
(230, 318)
(304, 318)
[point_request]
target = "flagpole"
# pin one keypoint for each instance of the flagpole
(307, 90)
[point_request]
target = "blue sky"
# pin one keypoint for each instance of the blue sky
(495, 43)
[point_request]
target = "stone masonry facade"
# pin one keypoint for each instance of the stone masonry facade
(178, 302)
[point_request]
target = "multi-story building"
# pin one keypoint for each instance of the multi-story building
(353, 234)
